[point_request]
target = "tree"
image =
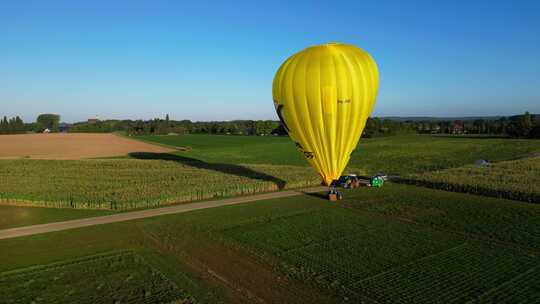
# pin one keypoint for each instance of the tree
(535, 131)
(478, 125)
(4, 125)
(19, 125)
(13, 125)
(372, 127)
(48, 121)
(520, 126)
(280, 130)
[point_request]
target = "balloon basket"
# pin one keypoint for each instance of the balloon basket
(334, 195)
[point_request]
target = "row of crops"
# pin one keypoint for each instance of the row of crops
(383, 255)
(463, 274)
(122, 184)
(340, 250)
(517, 179)
(105, 278)
(367, 259)
(396, 244)
(522, 289)
(476, 216)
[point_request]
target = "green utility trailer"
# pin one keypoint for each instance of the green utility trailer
(377, 181)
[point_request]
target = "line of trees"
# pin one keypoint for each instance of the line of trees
(525, 126)
(13, 125)
(377, 127)
(165, 126)
(519, 126)
(16, 125)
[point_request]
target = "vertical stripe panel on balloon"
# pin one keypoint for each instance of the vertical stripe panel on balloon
(314, 98)
(302, 102)
(344, 105)
(288, 100)
(320, 105)
(328, 82)
(353, 109)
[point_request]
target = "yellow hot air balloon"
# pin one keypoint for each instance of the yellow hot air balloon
(323, 96)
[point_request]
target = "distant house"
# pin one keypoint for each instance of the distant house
(92, 120)
(64, 127)
(457, 127)
(249, 131)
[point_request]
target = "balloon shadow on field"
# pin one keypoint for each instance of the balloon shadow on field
(223, 168)
(321, 195)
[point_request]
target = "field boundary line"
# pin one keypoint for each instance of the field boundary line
(141, 214)
(410, 263)
(53, 265)
(137, 138)
(496, 288)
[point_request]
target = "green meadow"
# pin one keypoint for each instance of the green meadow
(216, 166)
(397, 244)
(396, 155)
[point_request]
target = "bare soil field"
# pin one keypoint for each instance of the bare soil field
(71, 146)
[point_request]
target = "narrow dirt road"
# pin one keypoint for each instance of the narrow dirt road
(133, 215)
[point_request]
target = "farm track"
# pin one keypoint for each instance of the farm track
(127, 216)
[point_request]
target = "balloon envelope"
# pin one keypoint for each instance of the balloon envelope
(323, 96)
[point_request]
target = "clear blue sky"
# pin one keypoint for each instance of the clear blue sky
(215, 61)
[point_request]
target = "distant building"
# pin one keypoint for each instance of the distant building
(457, 127)
(64, 127)
(249, 131)
(92, 120)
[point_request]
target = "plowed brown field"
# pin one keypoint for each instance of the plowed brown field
(71, 146)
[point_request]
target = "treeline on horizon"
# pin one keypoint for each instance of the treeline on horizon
(15, 125)
(518, 126)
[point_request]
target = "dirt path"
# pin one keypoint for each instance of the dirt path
(127, 216)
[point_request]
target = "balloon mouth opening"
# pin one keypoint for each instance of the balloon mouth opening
(326, 182)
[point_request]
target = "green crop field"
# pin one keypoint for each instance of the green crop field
(400, 243)
(213, 152)
(222, 166)
(394, 155)
(516, 179)
(105, 278)
(120, 184)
